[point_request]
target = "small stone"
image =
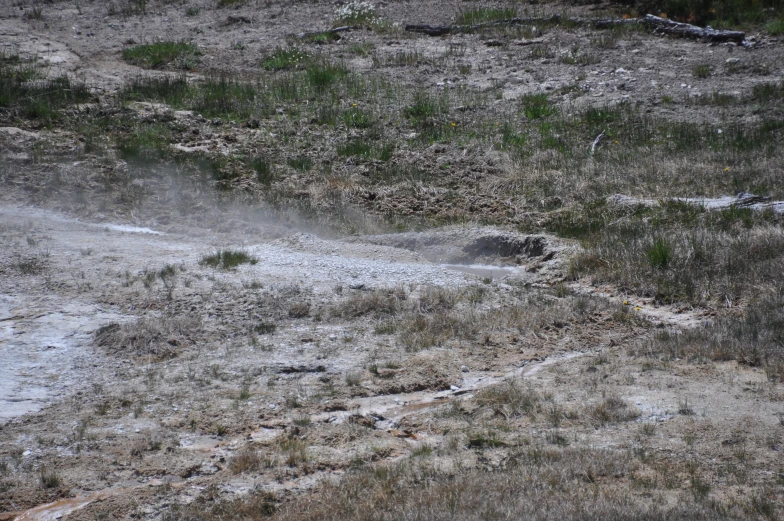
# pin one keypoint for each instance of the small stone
(732, 60)
(463, 368)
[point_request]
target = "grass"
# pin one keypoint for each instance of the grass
(775, 27)
(753, 339)
(285, 58)
(425, 108)
(613, 409)
(182, 54)
(49, 478)
(768, 92)
(227, 259)
(263, 169)
(24, 93)
(365, 149)
(322, 75)
(144, 142)
(659, 254)
(377, 304)
(155, 337)
(479, 15)
(678, 253)
(541, 483)
(322, 38)
(302, 163)
(510, 399)
(701, 71)
(536, 106)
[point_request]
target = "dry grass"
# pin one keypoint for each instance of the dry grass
(755, 338)
(247, 460)
(378, 304)
(687, 255)
(155, 337)
(538, 484)
(613, 409)
(509, 399)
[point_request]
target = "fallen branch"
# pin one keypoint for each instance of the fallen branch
(659, 24)
(597, 141)
(739, 200)
(692, 31)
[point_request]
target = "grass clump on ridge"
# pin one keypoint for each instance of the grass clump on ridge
(184, 55)
(227, 259)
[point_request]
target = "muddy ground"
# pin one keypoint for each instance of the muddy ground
(135, 376)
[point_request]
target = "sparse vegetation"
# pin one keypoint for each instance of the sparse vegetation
(753, 338)
(182, 55)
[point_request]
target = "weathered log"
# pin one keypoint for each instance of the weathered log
(659, 24)
(692, 31)
(739, 200)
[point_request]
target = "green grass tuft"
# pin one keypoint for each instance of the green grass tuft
(536, 106)
(322, 75)
(659, 254)
(227, 259)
